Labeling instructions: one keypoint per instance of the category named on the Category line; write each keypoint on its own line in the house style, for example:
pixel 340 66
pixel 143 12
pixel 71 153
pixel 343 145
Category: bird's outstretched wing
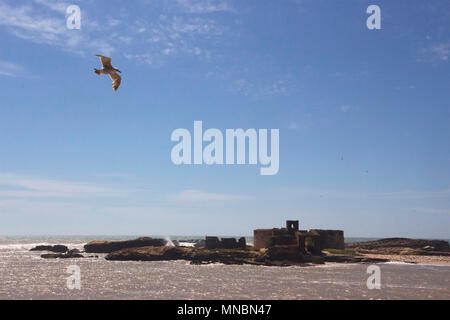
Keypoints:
pixel 116 80
pixel 106 61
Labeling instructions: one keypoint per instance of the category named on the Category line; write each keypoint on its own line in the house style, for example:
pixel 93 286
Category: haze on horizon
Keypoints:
pixel 363 117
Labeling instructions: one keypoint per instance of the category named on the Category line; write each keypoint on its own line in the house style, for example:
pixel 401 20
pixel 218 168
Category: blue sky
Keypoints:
pixel 363 116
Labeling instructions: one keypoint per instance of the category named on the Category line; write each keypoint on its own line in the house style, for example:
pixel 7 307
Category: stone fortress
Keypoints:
pixel 292 240
pixel 288 241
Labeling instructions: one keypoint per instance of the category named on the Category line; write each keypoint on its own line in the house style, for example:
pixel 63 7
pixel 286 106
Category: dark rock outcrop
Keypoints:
pixel 225 256
pixel 71 254
pixel 285 255
pixel 207 256
pixel 402 246
pixel 111 246
pixel 149 254
pixel 283 252
pixel 56 248
pixel 195 255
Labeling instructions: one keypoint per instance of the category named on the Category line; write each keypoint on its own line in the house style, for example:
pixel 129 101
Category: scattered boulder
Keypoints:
pixel 71 254
pixel 56 248
pixel 111 246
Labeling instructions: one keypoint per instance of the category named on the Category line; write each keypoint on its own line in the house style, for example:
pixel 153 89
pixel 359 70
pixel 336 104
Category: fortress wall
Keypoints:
pixel 261 237
pixel 331 239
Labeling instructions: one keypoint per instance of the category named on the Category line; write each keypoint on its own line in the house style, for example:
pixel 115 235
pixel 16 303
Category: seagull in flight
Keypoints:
pixel 109 70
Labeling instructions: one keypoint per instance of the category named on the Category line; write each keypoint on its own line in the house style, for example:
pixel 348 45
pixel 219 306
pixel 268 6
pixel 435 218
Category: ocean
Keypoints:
pixel 24 275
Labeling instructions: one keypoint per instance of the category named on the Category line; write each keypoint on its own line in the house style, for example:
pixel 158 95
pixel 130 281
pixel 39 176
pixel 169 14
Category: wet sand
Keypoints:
pixel 434 260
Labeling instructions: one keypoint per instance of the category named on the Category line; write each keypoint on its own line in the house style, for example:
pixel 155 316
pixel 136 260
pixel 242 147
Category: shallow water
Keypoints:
pixel 24 275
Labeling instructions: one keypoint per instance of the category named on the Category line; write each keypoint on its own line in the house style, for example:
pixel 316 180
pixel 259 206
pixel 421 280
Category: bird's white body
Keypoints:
pixel 103 71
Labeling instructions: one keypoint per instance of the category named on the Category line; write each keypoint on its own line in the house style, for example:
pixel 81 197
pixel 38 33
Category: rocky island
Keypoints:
pixel 271 247
pixel 404 250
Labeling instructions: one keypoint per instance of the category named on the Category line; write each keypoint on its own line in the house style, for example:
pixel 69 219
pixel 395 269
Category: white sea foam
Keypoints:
pixel 186 244
pixel 169 242
pixel 399 263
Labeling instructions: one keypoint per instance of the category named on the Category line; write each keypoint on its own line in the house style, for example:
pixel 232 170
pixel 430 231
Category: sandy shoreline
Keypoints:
pixel 433 260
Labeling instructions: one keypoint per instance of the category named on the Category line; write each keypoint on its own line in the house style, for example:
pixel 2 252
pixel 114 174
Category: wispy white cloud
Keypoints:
pixel 10 69
pixel 55 5
pixel 260 88
pixel 18 186
pixel 185 29
pixel 145 58
pixel 21 19
pixel 112 22
pixel 205 6
pixel 172 37
pixel 34 22
pixel 439 52
pixel 190 195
